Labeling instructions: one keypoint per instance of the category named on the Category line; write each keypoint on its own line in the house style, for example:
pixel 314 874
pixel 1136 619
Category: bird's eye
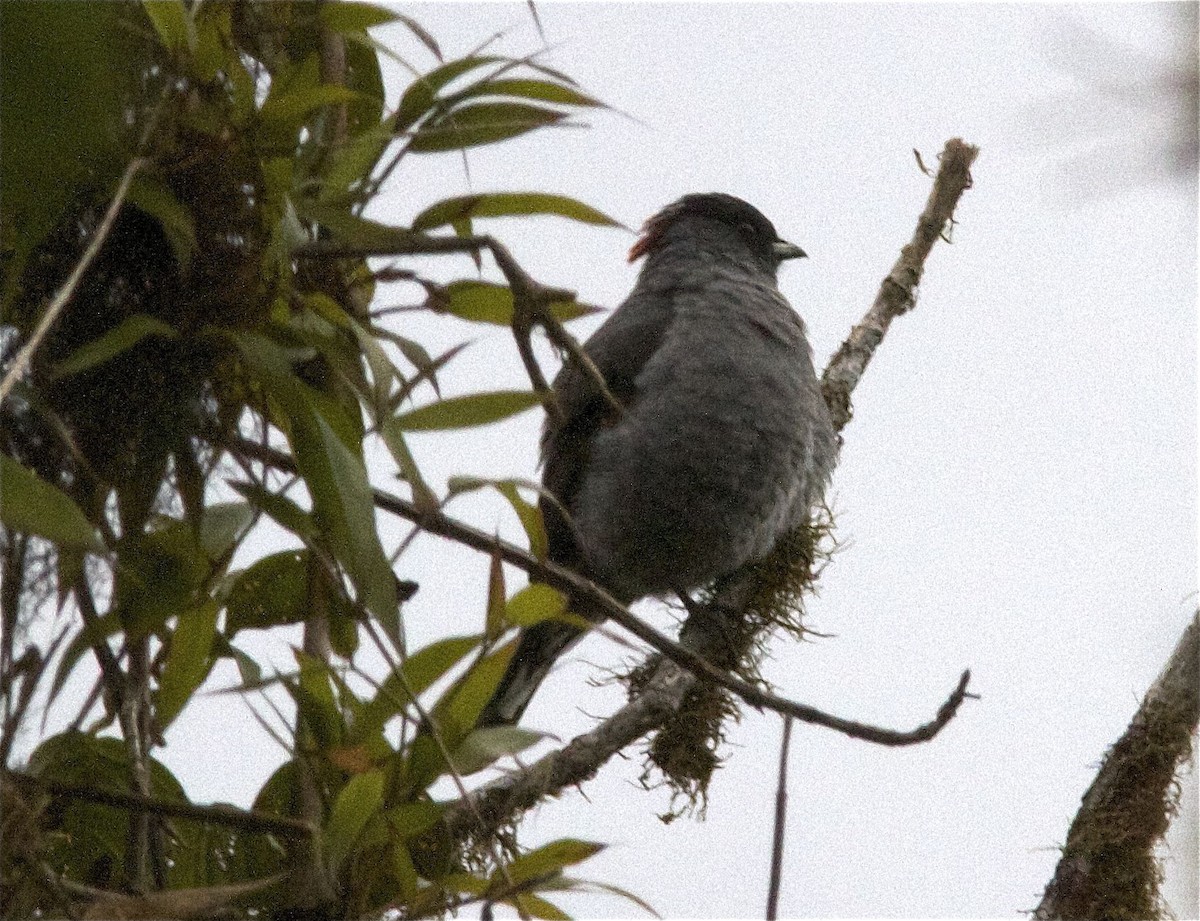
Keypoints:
pixel 748 230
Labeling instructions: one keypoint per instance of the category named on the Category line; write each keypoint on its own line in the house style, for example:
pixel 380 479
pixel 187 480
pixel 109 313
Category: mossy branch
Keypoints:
pixel 1107 868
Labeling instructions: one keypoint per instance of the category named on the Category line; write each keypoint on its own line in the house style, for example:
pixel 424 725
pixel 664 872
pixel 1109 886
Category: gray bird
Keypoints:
pixel 725 442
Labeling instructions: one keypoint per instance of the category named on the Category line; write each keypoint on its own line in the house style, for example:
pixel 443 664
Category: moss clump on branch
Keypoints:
pixel 686 750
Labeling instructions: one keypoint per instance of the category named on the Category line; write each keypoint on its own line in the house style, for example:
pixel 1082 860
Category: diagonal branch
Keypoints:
pixel 1107 868
pixel 897 293
pixel 575 585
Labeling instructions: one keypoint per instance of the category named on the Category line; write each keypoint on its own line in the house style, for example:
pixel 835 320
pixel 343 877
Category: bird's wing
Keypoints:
pixel 620 349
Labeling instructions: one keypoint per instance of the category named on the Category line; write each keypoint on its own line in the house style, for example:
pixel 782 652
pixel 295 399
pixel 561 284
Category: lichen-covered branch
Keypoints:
pixel 1107 868
pixel 897 292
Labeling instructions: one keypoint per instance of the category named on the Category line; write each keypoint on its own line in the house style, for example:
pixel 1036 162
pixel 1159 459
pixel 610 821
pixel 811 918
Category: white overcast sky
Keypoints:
pixel 1017 491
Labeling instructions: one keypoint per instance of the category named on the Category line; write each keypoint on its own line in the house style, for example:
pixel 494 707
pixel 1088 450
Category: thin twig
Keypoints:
pixel 571 583
pixel 780 823
pixel 528 294
pixel 228 816
pixel 64 295
pixel 110 668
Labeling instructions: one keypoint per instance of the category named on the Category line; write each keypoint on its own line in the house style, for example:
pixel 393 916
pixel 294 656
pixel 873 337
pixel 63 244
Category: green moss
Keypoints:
pixel 684 754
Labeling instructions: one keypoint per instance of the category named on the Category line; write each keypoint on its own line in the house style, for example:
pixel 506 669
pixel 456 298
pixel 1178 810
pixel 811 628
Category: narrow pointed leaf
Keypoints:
pixel 528 513
pixel 117 340
pixel 468 411
pixel 30 505
pixel 280 508
pixel 485 747
pixel 358 801
pixel 533 604
pixel 354 16
pixel 419 99
pixel 508 204
pixel 188 662
pixel 530 88
pixel 552 857
pixel 172 22
pixel 494 620
pixel 481 123
pixel 421 670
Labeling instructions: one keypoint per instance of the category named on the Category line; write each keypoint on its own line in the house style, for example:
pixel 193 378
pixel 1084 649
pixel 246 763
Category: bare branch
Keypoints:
pixel 896 293
pixel 604 605
pixel 780 823
pixel 1107 869
pixel 62 297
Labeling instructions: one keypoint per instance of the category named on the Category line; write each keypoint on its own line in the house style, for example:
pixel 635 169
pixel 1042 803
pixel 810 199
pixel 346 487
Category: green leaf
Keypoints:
pixel 467 411
pixel 224 524
pixel 30 505
pixel 419 671
pixel 458 712
pixel 129 333
pixel 158 201
pixel 88 840
pixel 404 872
pixel 344 509
pixel 528 513
pixel 172 22
pixel 272 592
pixel 393 437
pixel 288 110
pixel 355 17
pixel 66 81
pixel 537 907
pixel 506 204
pixel 487 302
pixel 280 508
pixel 481 123
pixel 464 883
pixel 530 88
pixel 533 604
pixel 484 747
pixel 188 661
pixel 551 858
pixel 415 818
pixel 358 801
pixel 478 301
pixel 494 619
pixel 423 36
pixel 343 505
pixel 354 230
pixel 353 162
pixel 419 99
pixel 159 574
pixel 317 705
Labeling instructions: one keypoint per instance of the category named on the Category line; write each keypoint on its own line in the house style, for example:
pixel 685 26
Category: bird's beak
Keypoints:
pixel 785 250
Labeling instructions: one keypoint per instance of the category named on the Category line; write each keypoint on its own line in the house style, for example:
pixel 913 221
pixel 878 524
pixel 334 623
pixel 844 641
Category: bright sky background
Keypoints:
pixel 1017 491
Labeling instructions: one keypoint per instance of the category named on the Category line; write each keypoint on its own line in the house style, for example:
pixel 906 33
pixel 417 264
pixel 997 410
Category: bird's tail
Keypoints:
pixel 538 648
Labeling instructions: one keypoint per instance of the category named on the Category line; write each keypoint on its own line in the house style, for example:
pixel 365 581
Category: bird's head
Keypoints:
pixel 715 222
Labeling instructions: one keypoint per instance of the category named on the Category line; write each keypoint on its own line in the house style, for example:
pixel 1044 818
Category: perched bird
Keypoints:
pixel 724 443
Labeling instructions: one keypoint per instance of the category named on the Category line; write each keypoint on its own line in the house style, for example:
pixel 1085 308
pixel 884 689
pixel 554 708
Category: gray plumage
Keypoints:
pixel 725 443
